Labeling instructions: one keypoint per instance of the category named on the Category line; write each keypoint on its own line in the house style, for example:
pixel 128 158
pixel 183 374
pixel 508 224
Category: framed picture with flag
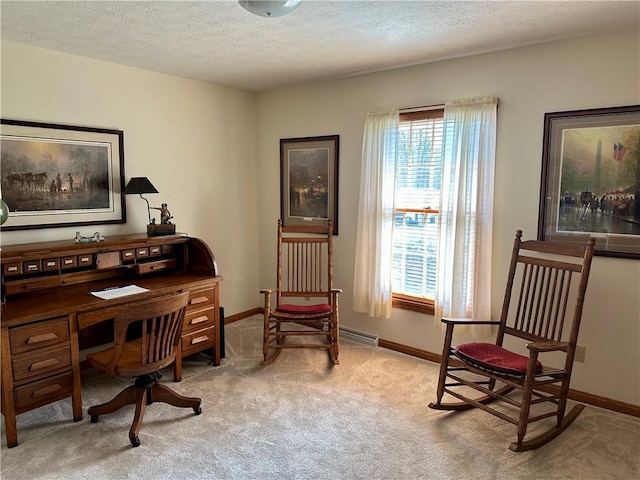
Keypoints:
pixel 590 183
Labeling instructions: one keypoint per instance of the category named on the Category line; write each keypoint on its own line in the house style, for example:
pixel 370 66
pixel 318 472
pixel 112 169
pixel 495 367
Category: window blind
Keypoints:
pixel 417 198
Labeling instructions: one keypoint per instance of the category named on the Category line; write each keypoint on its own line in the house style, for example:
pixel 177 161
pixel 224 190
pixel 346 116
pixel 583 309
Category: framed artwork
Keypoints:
pixel 309 180
pixel 61 175
pixel 591 179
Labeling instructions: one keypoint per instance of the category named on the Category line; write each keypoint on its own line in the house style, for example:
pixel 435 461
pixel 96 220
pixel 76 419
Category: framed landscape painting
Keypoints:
pixel 309 181
pixel 591 179
pixel 61 175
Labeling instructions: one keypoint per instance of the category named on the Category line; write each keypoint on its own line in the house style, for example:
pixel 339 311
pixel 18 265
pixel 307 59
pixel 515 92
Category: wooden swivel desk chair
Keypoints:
pixel 541 306
pixel 304 272
pixel 161 322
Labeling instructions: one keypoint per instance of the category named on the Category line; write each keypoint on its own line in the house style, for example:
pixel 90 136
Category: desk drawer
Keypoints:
pixel 31 284
pixel 31 266
pixel 38 335
pixel 155 266
pixel 85 260
pixel 128 254
pixel 200 298
pixel 198 340
pixel 50 264
pixel 70 261
pixel 39 365
pixel 198 319
pixel 13 268
pixel 44 391
pixel 88 319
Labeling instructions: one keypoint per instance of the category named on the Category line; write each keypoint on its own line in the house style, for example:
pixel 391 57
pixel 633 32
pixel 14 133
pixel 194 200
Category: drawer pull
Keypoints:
pixel 45 337
pixel 32 267
pixel 200 319
pixel 158 267
pixel 200 339
pixel 51 264
pixel 197 300
pixel 12 269
pixel 34 286
pixel 46 390
pixel 68 262
pixel 44 364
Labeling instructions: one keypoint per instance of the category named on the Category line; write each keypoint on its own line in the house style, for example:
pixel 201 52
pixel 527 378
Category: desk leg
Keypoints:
pixel 8 400
pixel 11 429
pixel 76 399
pixel 218 349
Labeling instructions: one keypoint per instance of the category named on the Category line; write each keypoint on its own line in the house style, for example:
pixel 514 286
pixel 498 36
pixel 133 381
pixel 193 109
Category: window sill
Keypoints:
pixel 414 304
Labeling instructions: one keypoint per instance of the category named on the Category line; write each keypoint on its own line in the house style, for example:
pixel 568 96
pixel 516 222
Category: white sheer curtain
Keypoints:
pixel 372 273
pixel 466 212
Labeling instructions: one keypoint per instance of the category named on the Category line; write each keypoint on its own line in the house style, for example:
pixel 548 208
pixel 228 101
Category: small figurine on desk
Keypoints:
pixel 97 237
pixel 165 214
pixel 165 227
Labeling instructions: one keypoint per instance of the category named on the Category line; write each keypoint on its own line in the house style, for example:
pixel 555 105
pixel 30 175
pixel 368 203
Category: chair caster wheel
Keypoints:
pixel 197 410
pixel 135 441
pixel 94 418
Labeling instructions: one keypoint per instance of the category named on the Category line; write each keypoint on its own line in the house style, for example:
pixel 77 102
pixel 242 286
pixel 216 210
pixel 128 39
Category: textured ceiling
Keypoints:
pixel 220 42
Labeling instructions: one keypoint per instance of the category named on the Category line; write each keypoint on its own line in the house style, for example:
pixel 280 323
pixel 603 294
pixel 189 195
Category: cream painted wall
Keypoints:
pixel 591 72
pixel 195 141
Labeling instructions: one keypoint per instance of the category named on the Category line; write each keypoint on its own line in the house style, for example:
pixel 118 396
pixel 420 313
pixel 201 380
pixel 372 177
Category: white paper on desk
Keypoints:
pixel 118 292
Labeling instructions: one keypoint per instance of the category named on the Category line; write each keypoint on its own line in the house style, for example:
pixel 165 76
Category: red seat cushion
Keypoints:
pixel 319 308
pixel 493 357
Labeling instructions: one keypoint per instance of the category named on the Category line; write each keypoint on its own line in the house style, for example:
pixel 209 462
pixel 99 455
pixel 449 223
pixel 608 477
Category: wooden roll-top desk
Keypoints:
pixel 49 315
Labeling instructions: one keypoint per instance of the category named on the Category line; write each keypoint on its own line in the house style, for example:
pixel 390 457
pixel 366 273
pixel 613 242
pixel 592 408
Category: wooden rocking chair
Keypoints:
pixel 538 296
pixel 305 282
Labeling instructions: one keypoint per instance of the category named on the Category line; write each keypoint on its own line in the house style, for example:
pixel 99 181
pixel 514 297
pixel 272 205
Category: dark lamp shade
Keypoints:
pixel 139 185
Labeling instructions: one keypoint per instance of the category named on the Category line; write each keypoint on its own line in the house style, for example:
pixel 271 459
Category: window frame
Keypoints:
pixel 401 300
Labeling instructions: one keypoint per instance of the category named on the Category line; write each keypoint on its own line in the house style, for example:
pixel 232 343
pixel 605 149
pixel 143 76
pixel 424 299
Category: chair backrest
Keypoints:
pixel 305 261
pixel 160 321
pixel 545 281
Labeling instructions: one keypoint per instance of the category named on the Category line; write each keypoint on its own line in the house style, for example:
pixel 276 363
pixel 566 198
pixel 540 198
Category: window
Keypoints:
pixel 398 261
pixel 416 202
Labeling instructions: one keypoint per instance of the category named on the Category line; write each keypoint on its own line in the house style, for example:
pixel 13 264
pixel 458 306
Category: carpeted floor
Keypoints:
pixel 302 419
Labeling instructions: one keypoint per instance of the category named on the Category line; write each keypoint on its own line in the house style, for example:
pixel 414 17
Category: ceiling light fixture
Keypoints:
pixel 270 9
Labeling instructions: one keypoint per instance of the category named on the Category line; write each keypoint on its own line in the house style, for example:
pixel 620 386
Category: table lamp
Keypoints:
pixel 139 186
